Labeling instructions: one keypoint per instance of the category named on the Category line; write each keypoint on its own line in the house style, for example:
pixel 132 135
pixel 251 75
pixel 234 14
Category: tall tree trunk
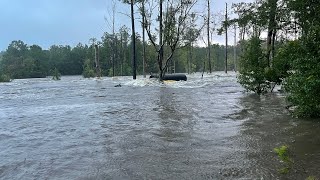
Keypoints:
pixel 121 59
pixel 134 63
pixel 174 66
pixel 226 28
pixel 274 34
pixel 143 40
pixel 160 58
pixel 235 48
pixel 113 39
pixel 272 4
pixel 208 36
pixel 189 59
pixel 98 70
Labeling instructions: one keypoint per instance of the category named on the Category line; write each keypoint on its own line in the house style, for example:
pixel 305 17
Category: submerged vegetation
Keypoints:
pixel 56 74
pixel 283 155
pixel 4 78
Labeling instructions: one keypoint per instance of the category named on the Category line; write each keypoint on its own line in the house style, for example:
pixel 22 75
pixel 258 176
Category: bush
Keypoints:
pixel 285 57
pixel 88 70
pixel 4 78
pixel 253 66
pixel 56 74
pixel 304 83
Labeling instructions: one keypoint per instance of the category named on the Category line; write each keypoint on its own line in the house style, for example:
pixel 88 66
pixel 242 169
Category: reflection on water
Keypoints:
pixel 200 129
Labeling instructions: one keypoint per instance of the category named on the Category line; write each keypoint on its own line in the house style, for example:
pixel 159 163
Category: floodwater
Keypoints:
pixel 206 128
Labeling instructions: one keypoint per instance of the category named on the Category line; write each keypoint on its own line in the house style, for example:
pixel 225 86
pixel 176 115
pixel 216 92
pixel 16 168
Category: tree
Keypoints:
pixel 208 36
pixel 95 45
pixel 226 31
pixel 77 57
pixel 172 17
pixel 260 16
pixel 39 58
pixel 88 69
pixel 303 84
pixel 124 62
pixel 253 65
pixel 134 66
pixel 13 59
pixel 190 35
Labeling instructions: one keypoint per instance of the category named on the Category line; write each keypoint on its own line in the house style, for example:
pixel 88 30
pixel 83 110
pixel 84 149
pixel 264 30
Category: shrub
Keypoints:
pixel 88 70
pixel 56 74
pixel 303 84
pixel 4 78
pixel 253 64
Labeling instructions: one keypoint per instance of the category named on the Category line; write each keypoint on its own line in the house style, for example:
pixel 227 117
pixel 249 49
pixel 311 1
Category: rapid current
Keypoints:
pixel 206 128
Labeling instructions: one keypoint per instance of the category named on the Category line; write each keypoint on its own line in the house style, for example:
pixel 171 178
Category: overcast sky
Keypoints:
pixel 64 22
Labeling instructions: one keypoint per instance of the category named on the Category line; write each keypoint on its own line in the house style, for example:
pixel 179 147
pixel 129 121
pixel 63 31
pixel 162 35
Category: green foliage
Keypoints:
pixel 311 178
pixel 271 74
pixel 56 75
pixel 4 78
pixel 304 83
pixel 283 154
pixel 23 61
pixel 282 64
pixel 88 71
pixel 253 66
pixel 284 170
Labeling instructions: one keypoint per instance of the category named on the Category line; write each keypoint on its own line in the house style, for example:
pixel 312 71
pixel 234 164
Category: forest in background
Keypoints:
pixel 31 61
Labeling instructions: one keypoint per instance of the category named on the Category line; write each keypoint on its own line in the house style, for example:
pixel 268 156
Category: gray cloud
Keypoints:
pixel 49 22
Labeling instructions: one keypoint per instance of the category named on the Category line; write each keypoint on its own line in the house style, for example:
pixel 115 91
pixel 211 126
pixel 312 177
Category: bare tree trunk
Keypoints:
pixel 226 27
pixel 96 60
pixel 160 58
pixel 143 40
pixel 189 59
pixel 122 49
pixel 208 36
pixel 134 64
pixel 113 38
pixel 271 27
pixel 203 68
pixel 174 66
pixel 274 34
pixel 98 69
pixel 235 48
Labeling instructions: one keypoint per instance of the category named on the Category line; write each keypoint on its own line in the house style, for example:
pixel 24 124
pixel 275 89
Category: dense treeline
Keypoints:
pixel 23 61
pixel 290 53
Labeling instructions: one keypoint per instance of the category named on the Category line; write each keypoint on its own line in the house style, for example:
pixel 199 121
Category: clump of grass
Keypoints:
pixel 283 154
pixel 284 170
pixel 311 178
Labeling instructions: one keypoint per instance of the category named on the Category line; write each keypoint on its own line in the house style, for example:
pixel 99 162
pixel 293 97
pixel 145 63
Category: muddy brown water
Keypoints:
pixel 200 129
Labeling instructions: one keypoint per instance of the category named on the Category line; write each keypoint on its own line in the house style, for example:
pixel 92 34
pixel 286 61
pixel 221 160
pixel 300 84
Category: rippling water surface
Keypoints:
pixel 199 129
